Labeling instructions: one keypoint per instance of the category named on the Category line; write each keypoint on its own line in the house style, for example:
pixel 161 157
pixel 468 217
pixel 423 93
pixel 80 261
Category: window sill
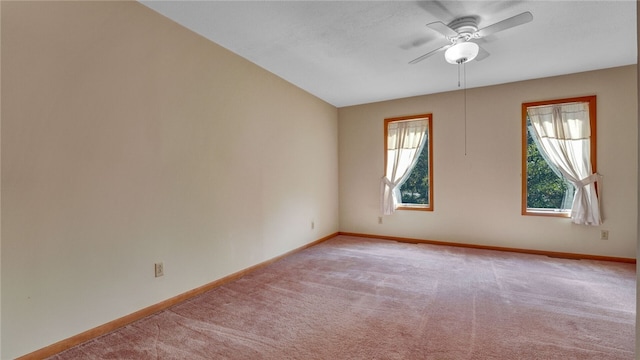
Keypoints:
pixel 414 207
pixel 547 212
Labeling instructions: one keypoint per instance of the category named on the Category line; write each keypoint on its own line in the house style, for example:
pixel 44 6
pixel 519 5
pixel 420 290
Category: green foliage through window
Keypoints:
pixel 545 189
pixel 415 190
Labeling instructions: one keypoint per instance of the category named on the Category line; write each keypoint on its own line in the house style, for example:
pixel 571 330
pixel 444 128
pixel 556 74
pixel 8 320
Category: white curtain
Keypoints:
pixel 564 132
pixel 405 140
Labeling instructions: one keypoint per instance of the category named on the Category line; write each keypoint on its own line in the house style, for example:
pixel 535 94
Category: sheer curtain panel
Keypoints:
pixel 405 140
pixel 564 131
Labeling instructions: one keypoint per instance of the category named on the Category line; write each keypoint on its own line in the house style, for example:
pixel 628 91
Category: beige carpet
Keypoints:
pixel 352 298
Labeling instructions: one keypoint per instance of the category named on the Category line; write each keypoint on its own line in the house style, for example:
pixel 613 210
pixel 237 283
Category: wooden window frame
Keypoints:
pixel 592 123
pixel 429 117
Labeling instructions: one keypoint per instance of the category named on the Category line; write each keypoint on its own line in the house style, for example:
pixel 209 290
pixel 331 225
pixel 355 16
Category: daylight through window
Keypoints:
pixel 408 180
pixel 558 140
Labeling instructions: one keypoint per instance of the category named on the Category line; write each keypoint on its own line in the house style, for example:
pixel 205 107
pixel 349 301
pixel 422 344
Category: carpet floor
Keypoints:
pixel 355 298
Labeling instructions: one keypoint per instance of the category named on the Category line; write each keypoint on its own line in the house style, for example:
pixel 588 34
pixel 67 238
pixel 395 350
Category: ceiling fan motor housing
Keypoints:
pixel 465 27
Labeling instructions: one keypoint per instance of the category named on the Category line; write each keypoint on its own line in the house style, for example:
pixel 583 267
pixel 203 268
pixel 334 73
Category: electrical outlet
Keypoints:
pixel 313 224
pixel 379 219
pixel 159 267
pixel 604 234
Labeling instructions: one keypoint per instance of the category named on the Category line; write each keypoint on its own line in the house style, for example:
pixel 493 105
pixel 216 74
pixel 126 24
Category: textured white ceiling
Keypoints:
pixel 355 52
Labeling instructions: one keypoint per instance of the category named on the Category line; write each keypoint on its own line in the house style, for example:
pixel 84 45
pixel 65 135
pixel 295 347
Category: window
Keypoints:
pixel 558 157
pixel 408 158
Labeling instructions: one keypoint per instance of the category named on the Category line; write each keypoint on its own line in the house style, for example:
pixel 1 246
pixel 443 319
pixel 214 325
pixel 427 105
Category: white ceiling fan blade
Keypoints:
pixel 442 29
pixel 418 59
pixel 482 54
pixel 513 21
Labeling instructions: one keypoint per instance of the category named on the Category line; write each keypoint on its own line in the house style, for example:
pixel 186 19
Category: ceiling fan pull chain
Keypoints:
pixel 465 107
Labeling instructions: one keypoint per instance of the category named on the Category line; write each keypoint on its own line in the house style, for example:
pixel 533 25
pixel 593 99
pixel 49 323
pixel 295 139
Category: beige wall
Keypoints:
pixel 128 140
pixel 638 195
pixel 477 195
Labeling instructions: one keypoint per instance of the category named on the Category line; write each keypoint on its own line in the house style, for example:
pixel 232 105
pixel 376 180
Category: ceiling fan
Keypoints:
pixel 461 33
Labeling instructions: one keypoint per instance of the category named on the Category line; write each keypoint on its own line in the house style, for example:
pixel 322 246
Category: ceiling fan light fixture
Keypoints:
pixel 461 52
